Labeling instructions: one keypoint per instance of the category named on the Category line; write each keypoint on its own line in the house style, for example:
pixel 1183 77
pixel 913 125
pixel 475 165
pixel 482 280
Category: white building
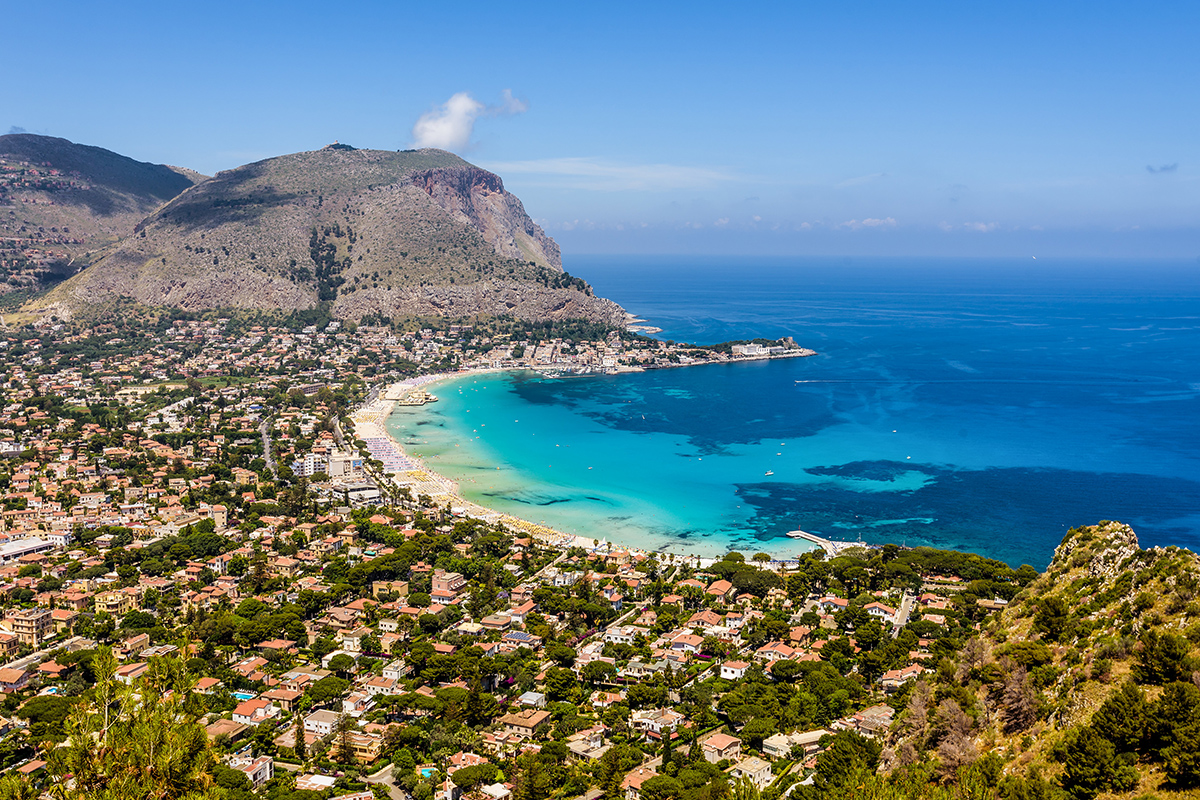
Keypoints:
pixel 321 722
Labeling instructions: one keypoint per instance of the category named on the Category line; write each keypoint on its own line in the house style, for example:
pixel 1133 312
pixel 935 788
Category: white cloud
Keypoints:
pixel 509 105
pixel 604 176
pixel 980 227
pixel 869 222
pixel 449 127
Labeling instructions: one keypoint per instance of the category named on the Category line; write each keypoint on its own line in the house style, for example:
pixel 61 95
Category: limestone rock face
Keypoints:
pixel 476 197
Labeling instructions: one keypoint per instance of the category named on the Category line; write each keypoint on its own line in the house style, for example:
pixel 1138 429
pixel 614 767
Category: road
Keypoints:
pixel 36 657
pixel 385 778
pixel 902 613
pixel 268 453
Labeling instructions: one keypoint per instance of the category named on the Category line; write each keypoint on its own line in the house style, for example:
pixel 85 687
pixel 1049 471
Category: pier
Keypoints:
pixel 831 547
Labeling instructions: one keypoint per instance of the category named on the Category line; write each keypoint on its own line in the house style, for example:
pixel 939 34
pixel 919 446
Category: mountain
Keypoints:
pixel 369 232
pixel 60 202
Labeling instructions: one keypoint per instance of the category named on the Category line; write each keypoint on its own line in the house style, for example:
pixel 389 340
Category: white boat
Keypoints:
pixel 769 472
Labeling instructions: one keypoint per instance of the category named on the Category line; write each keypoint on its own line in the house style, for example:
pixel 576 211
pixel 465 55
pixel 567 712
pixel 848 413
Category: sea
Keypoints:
pixel 978 405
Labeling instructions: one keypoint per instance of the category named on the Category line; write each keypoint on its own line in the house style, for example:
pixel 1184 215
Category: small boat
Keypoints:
pixel 769 472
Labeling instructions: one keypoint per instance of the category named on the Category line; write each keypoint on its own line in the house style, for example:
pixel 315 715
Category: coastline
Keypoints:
pixel 408 471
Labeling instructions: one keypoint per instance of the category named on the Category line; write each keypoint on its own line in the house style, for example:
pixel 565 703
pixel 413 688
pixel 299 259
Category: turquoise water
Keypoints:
pixel 985 406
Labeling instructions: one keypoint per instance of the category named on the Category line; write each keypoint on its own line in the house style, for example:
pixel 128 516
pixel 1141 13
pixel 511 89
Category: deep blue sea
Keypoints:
pixel 983 405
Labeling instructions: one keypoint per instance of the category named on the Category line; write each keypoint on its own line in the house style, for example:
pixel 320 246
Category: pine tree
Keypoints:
pixel 345 747
pixel 299 747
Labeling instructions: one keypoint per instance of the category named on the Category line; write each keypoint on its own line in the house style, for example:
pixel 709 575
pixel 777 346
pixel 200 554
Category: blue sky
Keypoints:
pixel 787 128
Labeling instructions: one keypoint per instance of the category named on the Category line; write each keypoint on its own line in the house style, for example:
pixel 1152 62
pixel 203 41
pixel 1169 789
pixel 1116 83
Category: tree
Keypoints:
pixel 848 759
pixel 342 663
pixel 1052 617
pixel 1019 700
pixel 661 787
pixel 532 781
pixel 299 747
pixel 1123 718
pixel 1091 766
pixel 758 729
pixel 328 688
pixel 342 737
pixel 1181 759
pixel 955 749
pixel 560 683
pixel 471 778
pixel 143 751
pixel 595 672
pixel 1162 658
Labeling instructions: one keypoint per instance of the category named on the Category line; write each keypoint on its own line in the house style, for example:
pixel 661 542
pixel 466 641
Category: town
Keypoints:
pixel 188 512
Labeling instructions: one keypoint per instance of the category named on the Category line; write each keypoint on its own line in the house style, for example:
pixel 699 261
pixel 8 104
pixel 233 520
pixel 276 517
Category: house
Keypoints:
pixel 32 626
pixel 687 643
pixel 587 745
pixel 321 723
pixel 366 746
pixel 445 585
pixel 832 605
pixel 621 634
pixel 259 770
pixel 356 703
pixel 133 646
pixel 129 673
pixel 207 685
pixel 880 612
pixel 522 639
pixel 721 746
pixel 734 670
pixel 381 685
pixel 720 589
pixel 13 680
pixel 532 700
pixel 893 679
pixel 396 669
pixel 780 745
pixel 525 723
pixel 497 622
pixel 873 721
pixel 632 785
pixel 774 651
pixel 352 641
pixel 288 699
pixel 657 723
pixel 603 699
pixel 522 611
pixel 252 712
pixel 755 769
